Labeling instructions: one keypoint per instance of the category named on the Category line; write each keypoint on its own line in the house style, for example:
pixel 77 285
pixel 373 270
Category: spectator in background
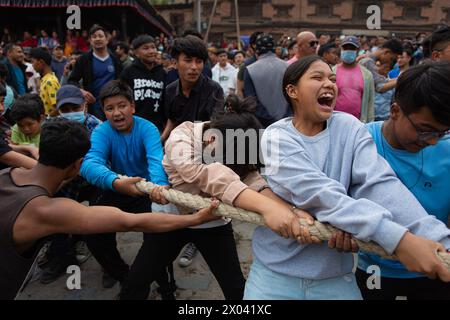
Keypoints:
pixel 9 157
pixel 10 95
pixel 42 60
pixel 29 40
pixel 148 80
pixel 385 54
pixel 71 44
pixel 193 97
pixel 306 45
pixel 224 73
pixel 404 61
pixel 383 100
pixel 329 52
pixel 212 57
pixel 2 57
pixel 83 41
pixel 247 62
pixel 16 78
pixel 159 57
pixel 45 40
pixel 292 49
pixel 279 52
pixel 122 51
pixel 355 83
pixel 55 41
pixel 33 78
pixel 59 61
pixel 7 37
pixel 96 68
pixel 239 58
pixel 28 114
pixel 324 39
pixel 440 44
pixel 263 79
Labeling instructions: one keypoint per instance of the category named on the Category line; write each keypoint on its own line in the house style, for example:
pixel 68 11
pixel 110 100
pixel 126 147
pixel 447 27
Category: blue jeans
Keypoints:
pixel 264 284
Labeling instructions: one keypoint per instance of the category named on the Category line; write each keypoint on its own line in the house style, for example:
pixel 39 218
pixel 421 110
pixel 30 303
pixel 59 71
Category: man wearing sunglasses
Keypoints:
pixel 306 45
pixel 415 142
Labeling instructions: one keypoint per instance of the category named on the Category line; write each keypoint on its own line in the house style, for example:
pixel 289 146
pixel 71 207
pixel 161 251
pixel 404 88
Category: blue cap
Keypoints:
pixel 350 40
pixel 69 94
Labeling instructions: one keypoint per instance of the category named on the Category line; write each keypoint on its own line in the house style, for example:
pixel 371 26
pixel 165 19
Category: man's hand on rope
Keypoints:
pixel 127 185
pixel 206 214
pixel 157 195
pixel 419 255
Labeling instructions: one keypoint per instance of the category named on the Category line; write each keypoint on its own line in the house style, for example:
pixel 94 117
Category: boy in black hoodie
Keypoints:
pixel 148 81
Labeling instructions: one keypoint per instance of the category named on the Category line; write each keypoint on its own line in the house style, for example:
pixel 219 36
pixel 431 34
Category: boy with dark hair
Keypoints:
pixel 329 52
pixel 415 142
pixel 58 61
pixel 10 155
pixel 124 145
pixel 28 114
pixel 193 97
pixel 96 68
pixel 29 210
pixel 122 49
pixel 41 60
pixel 224 73
pixel 440 44
pixel 147 79
pixel 387 53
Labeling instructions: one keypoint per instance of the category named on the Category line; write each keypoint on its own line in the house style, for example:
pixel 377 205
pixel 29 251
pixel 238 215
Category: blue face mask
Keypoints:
pixel 348 56
pixel 79 116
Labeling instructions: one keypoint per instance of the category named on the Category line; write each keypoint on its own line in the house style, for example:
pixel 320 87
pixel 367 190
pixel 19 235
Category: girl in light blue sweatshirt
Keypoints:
pixel 326 163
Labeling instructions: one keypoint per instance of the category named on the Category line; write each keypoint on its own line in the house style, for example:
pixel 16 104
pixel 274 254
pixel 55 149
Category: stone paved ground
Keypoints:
pixel 195 282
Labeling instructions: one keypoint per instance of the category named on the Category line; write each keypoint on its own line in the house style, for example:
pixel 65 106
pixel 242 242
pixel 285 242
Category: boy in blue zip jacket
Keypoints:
pixel 415 142
pixel 123 145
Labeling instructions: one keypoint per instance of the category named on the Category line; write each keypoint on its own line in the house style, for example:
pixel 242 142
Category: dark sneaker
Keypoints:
pixel 56 268
pixel 188 255
pixel 108 281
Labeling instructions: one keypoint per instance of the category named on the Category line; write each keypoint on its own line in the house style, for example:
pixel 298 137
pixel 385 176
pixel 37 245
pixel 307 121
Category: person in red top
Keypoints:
pixel 29 40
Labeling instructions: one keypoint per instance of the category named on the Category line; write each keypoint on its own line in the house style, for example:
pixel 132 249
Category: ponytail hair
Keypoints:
pixel 238 114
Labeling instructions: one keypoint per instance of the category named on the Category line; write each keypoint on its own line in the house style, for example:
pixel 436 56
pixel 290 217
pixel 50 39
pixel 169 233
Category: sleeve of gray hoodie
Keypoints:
pixel 301 182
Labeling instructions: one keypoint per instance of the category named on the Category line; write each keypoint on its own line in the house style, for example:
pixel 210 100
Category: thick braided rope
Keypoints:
pixel 320 230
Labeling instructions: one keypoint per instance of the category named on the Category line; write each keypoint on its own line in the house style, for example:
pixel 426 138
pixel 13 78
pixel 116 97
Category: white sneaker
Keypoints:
pixel 82 252
pixel 188 255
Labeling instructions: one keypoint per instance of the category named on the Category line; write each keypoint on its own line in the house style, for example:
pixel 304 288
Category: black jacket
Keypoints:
pixel 149 89
pixel 83 70
pixel 12 79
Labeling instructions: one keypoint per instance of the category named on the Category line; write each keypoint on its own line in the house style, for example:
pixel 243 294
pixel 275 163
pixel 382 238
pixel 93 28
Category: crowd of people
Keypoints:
pixel 361 127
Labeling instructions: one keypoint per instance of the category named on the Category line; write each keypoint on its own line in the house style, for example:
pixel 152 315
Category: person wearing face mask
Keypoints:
pixel 64 249
pixel 71 105
pixel 355 83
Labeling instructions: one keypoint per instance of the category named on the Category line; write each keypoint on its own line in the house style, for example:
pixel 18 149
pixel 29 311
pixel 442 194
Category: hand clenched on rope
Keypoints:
pixel 127 185
pixel 340 240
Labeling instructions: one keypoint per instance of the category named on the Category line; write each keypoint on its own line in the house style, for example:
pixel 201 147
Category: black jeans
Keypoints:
pixel 104 246
pixel 413 289
pixel 217 246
